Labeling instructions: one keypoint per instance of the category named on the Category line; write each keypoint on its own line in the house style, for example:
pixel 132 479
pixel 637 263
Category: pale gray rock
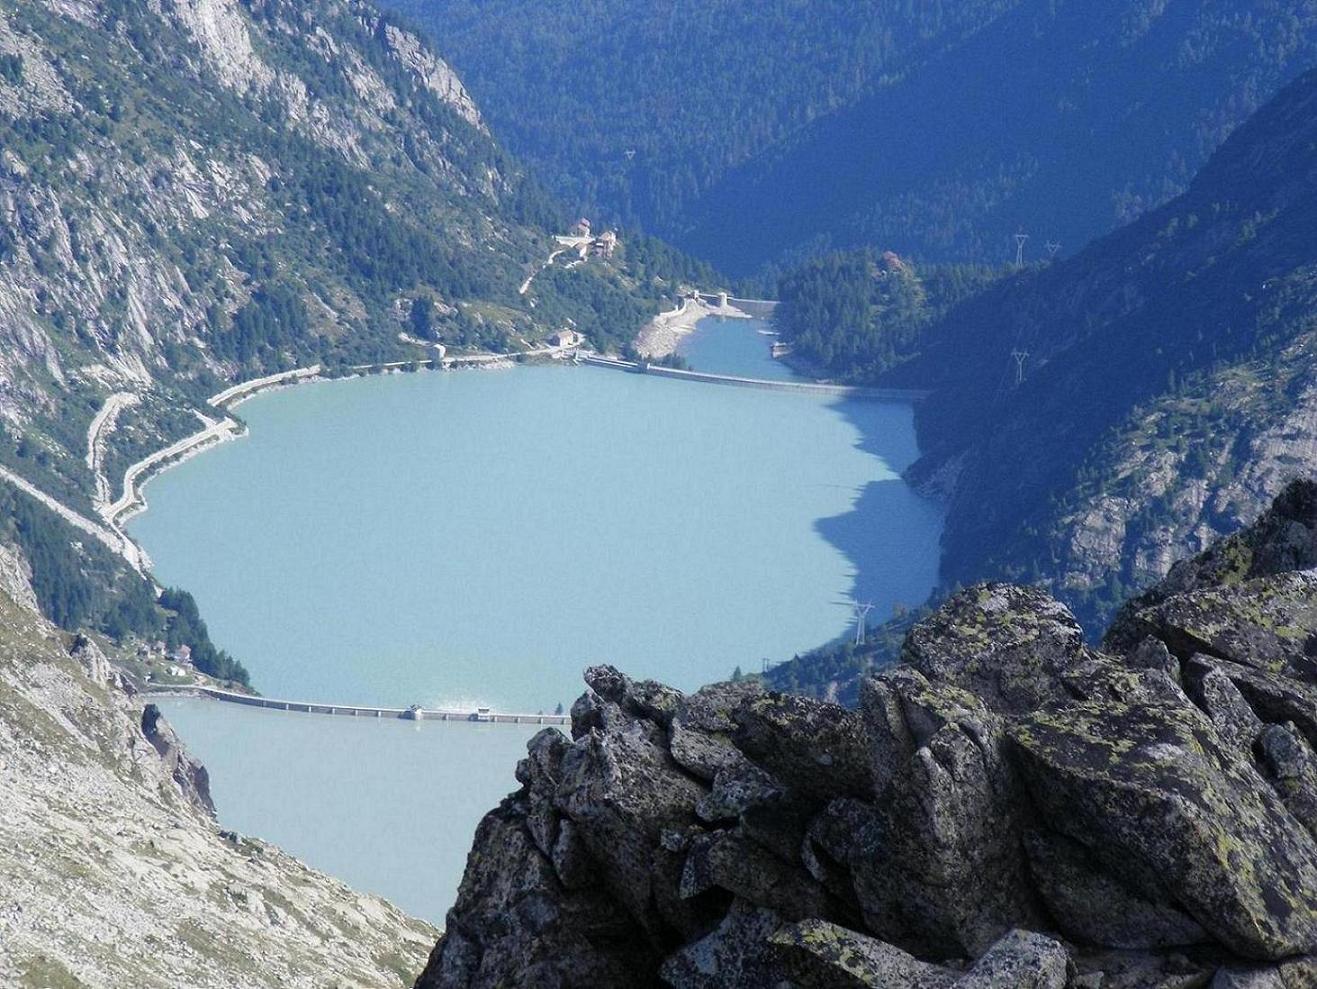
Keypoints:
pixel 702 726
pixel 622 790
pixel 1275 698
pixel 1253 977
pixel 1152 654
pixel 735 791
pixel 1291 765
pixel 93 660
pixel 1217 695
pixel 637 698
pixel 819 955
pixel 731 862
pixel 1093 906
pixel 1152 785
pixel 16 578
pixel 951 809
pixel 1264 623
pixel 736 955
pixel 1009 646
pixel 514 924
pixel 191 776
pixel 815 749
pixel 1022 960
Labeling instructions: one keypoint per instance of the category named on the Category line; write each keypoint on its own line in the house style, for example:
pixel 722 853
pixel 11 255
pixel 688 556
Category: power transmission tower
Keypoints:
pixel 1052 248
pixel 1020 357
pixel 1019 249
pixel 862 609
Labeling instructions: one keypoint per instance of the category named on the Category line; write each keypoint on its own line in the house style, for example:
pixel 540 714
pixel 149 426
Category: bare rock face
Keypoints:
pixel 1265 623
pixel 1022 959
pixel 818 954
pixel 1283 539
pixel 946 809
pixel 1093 906
pixel 1008 807
pixel 515 924
pixel 16 578
pixel 190 775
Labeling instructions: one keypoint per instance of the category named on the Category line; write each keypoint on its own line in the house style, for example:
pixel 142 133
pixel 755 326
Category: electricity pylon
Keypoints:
pixel 1020 357
pixel 1019 249
pixel 862 609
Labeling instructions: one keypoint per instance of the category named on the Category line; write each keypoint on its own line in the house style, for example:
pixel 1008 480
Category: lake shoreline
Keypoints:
pixel 662 335
pixel 132 498
pixel 659 338
pixel 778 444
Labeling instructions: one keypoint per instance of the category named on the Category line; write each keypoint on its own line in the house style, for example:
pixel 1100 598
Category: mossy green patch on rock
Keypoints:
pixel 48 973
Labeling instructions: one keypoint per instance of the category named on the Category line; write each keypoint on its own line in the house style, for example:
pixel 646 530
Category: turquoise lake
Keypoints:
pixel 479 537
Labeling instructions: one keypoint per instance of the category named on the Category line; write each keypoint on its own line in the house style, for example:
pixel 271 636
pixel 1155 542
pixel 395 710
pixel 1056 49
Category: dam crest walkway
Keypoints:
pixel 479 715
pixel 766 384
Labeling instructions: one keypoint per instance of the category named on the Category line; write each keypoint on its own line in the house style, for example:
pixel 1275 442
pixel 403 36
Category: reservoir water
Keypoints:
pixel 464 538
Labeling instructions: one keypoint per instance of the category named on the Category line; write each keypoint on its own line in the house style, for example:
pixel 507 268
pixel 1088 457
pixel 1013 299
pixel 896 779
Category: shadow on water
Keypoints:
pixel 891 534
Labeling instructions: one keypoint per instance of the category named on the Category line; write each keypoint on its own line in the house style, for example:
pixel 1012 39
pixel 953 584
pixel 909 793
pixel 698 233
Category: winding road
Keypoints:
pixel 98 436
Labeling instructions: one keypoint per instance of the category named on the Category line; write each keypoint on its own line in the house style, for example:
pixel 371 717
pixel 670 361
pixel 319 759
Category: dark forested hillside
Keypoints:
pixel 1096 418
pixel 856 314
pixel 638 109
pixel 1060 120
pixel 746 131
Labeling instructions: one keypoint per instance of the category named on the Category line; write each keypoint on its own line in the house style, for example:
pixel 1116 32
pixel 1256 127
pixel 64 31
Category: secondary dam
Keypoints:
pixel 414 713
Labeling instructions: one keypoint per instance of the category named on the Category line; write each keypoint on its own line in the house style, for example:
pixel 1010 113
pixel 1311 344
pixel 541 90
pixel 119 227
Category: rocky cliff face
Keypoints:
pixel 112 872
pixel 1008 807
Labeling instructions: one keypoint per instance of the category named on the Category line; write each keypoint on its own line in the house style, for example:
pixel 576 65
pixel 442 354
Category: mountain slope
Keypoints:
pixel 114 875
pixel 762 130
pixel 636 109
pixel 1058 119
pixel 1169 387
pixel 197 192
pixel 204 190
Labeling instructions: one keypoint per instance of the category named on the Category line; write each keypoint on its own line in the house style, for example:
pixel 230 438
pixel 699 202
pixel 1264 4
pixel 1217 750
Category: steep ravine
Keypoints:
pixel 1008 807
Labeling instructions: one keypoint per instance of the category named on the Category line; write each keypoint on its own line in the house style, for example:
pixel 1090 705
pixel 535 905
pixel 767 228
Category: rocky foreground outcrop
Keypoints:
pixel 1008 807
